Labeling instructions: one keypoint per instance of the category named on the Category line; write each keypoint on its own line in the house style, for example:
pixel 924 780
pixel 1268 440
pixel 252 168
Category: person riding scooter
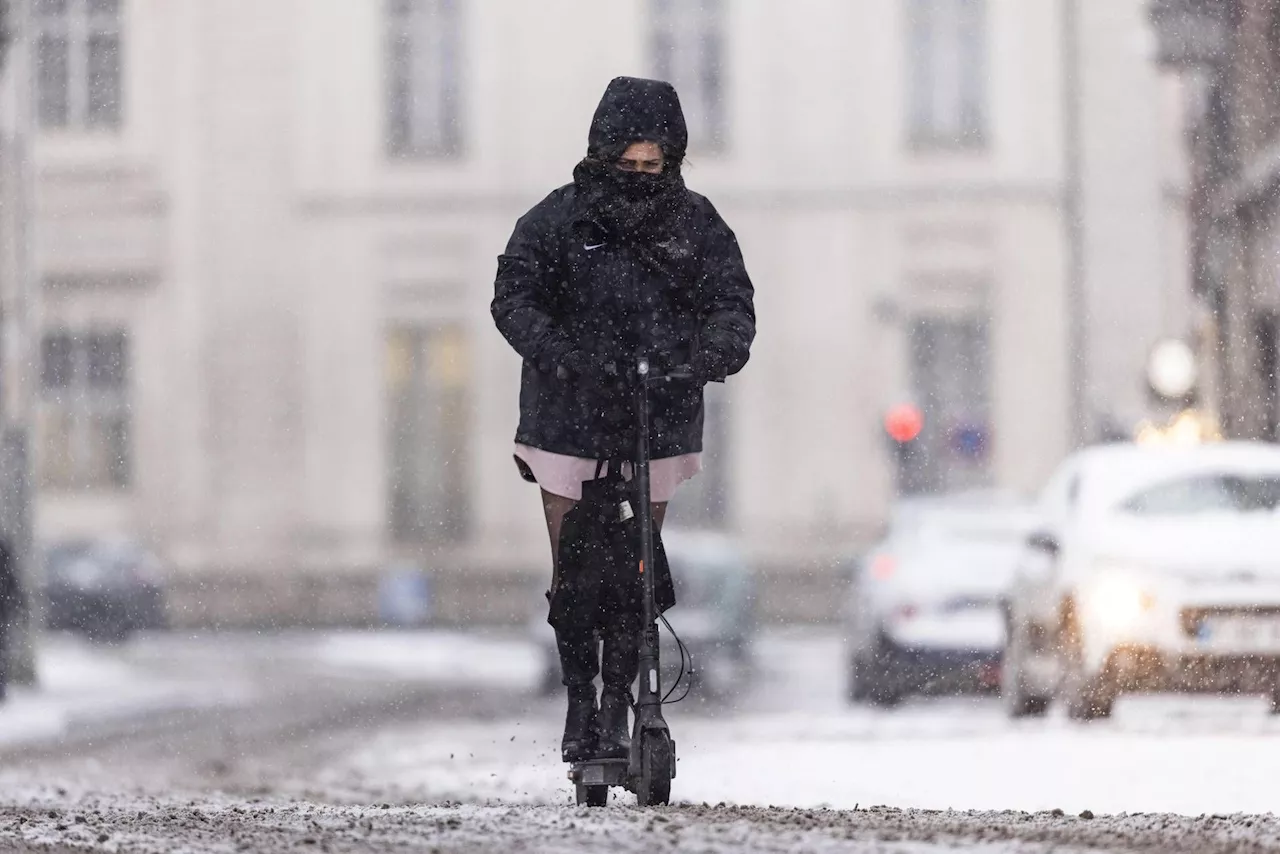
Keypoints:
pixel 625 260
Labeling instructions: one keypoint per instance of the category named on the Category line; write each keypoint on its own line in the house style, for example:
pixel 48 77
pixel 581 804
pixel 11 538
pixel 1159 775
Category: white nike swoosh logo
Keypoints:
pixel 590 247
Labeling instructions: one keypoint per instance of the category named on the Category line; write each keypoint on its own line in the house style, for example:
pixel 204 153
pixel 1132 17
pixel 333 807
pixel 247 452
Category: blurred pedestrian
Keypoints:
pixel 623 261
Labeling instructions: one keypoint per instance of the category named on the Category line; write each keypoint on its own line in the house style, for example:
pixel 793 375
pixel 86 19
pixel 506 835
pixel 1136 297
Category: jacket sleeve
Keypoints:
pixel 521 305
pixel 726 311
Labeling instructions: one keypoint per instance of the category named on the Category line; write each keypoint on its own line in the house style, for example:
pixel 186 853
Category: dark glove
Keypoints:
pixel 709 366
pixel 577 364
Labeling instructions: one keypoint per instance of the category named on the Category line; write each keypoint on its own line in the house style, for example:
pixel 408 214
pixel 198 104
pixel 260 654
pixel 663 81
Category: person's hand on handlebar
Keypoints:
pixel 578 364
pixel 679 373
pixel 709 366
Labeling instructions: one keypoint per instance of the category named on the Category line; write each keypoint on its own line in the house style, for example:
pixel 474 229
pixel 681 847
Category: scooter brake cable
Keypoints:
pixel 684 655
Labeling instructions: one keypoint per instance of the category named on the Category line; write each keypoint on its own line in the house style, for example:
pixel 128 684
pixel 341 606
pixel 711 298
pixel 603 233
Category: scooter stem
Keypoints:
pixel 649 697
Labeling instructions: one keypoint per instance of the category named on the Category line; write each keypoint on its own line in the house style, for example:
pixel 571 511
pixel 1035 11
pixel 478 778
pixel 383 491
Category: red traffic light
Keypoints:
pixel 903 422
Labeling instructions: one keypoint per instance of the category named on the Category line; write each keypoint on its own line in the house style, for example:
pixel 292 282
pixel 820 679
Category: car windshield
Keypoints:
pixel 1207 493
pixel 960 558
pixel 77 562
pixel 59 557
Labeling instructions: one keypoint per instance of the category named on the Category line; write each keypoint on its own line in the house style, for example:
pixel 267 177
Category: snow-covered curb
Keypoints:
pixel 83 685
pixel 505 660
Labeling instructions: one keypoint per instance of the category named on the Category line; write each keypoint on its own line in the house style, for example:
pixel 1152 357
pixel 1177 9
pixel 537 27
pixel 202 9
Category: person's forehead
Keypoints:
pixel 642 148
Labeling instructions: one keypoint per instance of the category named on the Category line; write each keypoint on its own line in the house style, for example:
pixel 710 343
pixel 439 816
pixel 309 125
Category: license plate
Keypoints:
pixel 1240 633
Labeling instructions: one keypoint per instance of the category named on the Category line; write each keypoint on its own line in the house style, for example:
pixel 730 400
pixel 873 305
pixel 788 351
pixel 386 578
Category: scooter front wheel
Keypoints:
pixel 592 796
pixel 655 770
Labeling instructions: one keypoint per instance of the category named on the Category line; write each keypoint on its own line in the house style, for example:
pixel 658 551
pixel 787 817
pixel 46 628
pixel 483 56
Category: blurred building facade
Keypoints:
pixel 266 239
pixel 1228 53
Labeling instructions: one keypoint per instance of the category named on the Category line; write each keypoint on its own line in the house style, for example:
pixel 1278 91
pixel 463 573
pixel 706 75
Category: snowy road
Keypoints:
pixel 793 741
pixel 384 743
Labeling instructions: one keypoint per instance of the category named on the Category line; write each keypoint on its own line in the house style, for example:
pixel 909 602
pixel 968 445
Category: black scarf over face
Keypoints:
pixel 639 209
pixel 636 208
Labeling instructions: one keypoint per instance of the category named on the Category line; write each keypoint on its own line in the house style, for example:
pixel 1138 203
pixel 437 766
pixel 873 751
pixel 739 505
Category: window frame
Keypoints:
pixel 78 26
pixel 406 25
pixel 937 344
pixel 942 33
pixel 85 406
pixel 678 38
pixel 427 394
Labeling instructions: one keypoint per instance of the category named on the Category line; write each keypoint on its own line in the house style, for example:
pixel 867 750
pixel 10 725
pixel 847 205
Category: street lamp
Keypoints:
pixel 1196 37
pixel 1172 370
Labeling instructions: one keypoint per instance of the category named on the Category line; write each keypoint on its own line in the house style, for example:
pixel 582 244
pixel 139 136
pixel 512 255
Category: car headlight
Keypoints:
pixel 1116 601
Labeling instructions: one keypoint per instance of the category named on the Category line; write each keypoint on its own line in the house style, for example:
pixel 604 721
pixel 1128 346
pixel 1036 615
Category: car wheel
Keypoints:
pixel 1018 703
pixel 870 683
pixel 1091 703
pixel 885 697
pixel 1086 697
pixel 857 687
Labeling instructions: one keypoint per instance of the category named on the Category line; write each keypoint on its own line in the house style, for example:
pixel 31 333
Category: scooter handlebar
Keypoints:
pixel 648 375
pixel 675 374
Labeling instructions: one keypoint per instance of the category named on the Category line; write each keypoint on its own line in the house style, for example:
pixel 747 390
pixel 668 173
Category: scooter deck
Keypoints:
pixel 599 772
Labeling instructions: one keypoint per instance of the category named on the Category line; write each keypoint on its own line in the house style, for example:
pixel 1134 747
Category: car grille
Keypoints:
pixel 1191 618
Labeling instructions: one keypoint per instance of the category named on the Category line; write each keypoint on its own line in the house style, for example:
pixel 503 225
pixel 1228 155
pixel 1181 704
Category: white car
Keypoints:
pixel 1154 568
pixel 924 612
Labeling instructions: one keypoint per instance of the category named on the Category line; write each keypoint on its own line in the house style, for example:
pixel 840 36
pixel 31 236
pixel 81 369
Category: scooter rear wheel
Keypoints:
pixel 592 796
pixel 655 770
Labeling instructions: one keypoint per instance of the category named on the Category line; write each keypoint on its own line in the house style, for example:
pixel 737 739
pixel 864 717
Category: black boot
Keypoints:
pixel 619 665
pixel 579 664
pixel 614 727
pixel 580 739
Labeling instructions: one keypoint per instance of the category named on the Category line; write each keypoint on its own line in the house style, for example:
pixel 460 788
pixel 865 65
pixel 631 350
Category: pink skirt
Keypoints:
pixel 563 475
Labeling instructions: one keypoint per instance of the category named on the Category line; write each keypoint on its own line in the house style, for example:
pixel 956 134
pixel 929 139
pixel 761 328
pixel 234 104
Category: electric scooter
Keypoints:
pixel 651 766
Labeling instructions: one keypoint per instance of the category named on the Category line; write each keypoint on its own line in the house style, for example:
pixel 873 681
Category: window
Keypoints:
pixel 422 78
pixel 687 42
pixel 427 433
pixel 947 73
pixel 950 378
pixel 77 56
pixel 84 416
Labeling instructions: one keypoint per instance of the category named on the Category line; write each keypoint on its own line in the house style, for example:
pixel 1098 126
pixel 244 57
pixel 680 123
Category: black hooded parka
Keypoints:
pixel 614 266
